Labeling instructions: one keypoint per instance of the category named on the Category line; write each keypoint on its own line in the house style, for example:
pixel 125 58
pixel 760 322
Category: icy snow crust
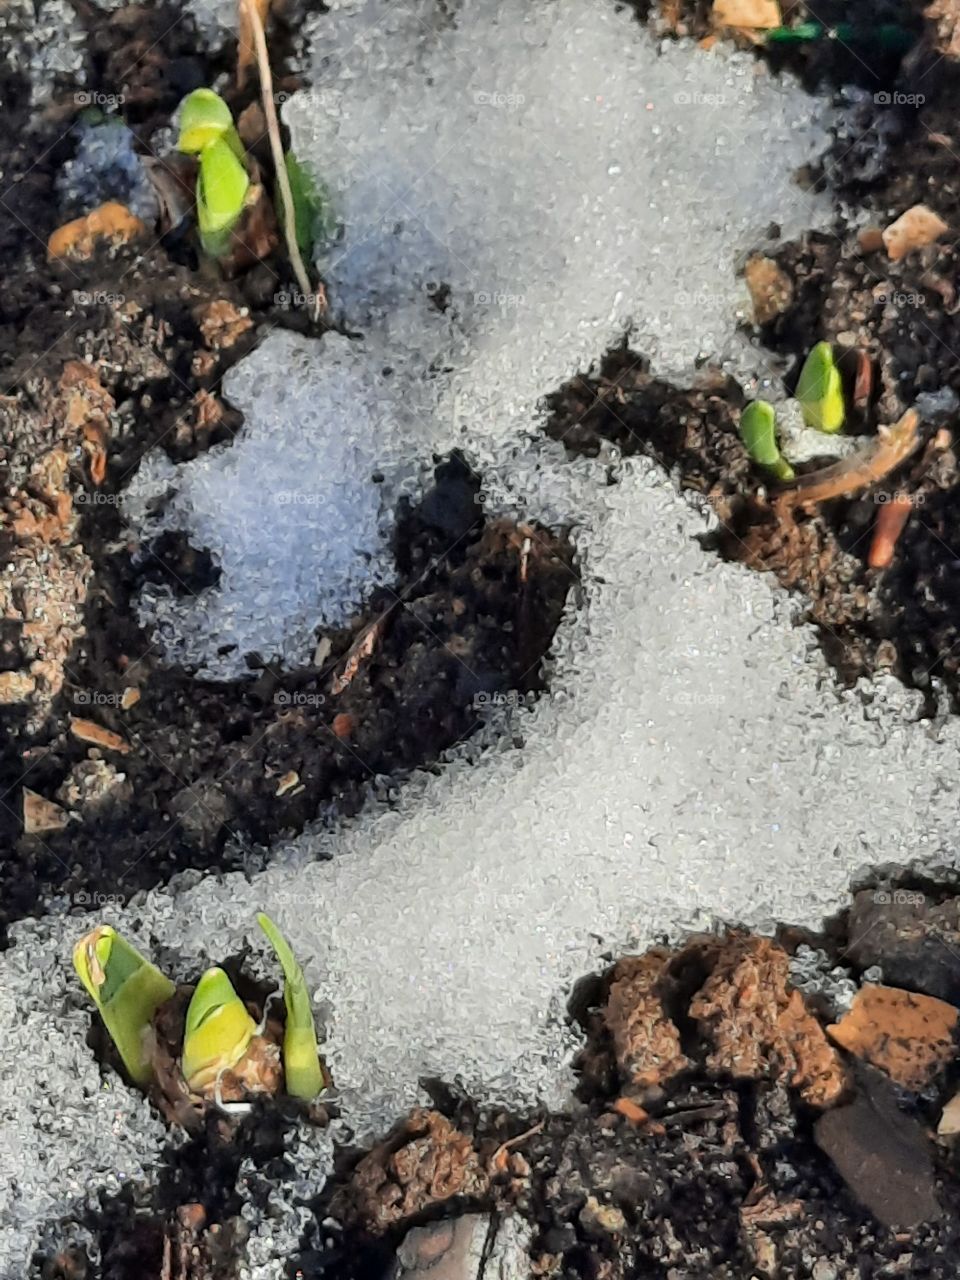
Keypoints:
pixel 291 505
pixel 515 186
pixel 694 760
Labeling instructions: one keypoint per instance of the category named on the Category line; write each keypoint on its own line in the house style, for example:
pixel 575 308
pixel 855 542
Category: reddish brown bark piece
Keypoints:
pixel 97 736
pixel 41 815
pixel 909 1037
pixel 891 520
pixel 759 1028
pixel 646 1042
pixel 424 1163
pixel 111 223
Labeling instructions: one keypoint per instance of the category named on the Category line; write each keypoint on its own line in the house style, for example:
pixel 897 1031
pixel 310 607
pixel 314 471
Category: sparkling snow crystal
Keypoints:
pixel 291 507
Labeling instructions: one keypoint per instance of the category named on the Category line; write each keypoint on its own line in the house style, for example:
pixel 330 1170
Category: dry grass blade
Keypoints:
pixel 363 648
pixel 246 40
pixel 250 12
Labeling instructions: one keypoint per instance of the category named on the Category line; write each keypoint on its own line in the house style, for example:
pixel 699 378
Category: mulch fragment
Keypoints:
pixel 757 1027
pixel 424 1162
pixel 912 1038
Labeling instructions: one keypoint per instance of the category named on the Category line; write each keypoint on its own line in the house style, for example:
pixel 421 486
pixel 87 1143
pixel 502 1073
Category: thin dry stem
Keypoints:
pixel 859 471
pixel 276 146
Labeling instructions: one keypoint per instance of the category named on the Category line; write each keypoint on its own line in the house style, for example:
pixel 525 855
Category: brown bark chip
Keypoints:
pixel 909 1037
pixel 424 1163
pixel 946 14
pixel 646 1042
pixel 917 227
pixel 111 222
pixel 759 1028
pixel 882 1154
pixel 222 323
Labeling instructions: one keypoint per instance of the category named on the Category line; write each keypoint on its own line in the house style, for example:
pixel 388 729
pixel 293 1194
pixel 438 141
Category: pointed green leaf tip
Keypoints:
pixel 301 1058
pixel 306 202
pixel 217 1033
pixel 819 391
pixel 127 990
pixel 759 436
pixel 222 185
pixel 204 118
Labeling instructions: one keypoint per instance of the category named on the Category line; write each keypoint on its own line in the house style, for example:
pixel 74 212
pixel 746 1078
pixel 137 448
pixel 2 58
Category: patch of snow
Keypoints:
pixel 291 507
pixel 46 40
pixel 106 166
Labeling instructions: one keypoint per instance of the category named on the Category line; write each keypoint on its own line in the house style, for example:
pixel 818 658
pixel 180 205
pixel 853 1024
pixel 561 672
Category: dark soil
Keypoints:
pixel 876 36
pixel 126 352
pixel 187 1224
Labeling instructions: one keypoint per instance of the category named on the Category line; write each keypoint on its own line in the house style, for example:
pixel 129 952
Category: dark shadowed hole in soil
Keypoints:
pixel 724 1177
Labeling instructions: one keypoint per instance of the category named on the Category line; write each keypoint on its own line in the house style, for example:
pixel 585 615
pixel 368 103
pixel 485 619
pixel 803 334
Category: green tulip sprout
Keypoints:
pixel 306 202
pixel 819 390
pixel 301 1059
pixel 205 117
pixel 758 433
pixel 218 1031
pixel 127 990
pixel 207 130
pixel 222 186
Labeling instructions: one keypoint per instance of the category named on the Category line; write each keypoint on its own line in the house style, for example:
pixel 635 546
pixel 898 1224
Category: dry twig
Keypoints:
pixel 892 446
pixel 891 519
pixel 249 9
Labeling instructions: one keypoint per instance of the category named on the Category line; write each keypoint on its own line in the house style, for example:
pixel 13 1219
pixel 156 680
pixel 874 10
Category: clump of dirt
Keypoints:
pixel 424 1163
